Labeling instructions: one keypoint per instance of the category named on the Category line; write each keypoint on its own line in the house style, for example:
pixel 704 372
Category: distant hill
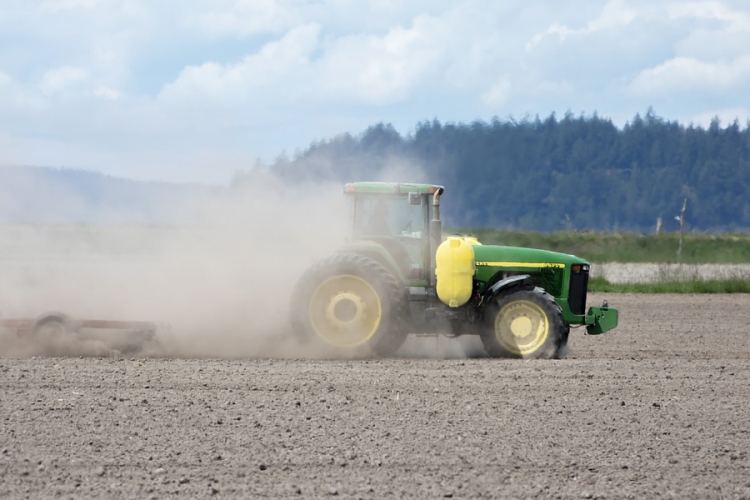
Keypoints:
pixel 40 195
pixel 574 173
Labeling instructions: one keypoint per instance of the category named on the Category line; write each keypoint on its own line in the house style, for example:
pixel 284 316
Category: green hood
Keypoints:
pixel 502 256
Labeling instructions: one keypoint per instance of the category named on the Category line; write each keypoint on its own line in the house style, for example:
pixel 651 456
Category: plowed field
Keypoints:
pixel 659 407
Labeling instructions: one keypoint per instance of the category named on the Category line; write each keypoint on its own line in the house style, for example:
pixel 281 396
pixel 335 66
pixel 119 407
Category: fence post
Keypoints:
pixel 681 218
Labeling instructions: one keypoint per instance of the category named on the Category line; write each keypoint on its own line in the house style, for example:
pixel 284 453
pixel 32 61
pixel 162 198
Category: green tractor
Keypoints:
pixel 396 275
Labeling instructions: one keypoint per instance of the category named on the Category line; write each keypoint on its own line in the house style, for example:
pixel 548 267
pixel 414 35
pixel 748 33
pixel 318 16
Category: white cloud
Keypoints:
pixel 304 65
pixel 726 116
pixel 685 74
pixel 253 77
pixel 107 93
pixel 15 96
pixel 546 87
pixel 711 10
pixel 278 65
pixel 498 94
pixel 720 32
pixel 382 69
pixel 243 18
pixel 615 14
pixel 58 79
pixel 60 5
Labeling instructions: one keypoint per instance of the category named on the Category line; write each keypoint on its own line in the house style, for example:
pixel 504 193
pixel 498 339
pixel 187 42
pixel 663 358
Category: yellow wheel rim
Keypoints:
pixel 521 327
pixel 345 311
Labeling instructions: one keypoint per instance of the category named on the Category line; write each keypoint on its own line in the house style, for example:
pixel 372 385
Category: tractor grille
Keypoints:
pixel 579 282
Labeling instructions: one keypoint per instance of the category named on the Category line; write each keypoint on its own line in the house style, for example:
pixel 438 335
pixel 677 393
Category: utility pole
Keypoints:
pixel 681 218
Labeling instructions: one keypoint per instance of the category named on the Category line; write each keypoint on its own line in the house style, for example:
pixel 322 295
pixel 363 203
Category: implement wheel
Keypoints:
pixel 524 323
pixel 350 304
pixel 52 328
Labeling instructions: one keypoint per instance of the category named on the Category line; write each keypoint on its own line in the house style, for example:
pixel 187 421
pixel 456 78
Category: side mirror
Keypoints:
pixel 415 199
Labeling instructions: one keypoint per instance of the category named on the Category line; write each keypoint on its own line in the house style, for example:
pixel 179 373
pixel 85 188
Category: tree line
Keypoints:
pixel 574 173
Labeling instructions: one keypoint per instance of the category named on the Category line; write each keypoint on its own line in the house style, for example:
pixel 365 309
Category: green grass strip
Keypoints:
pixel 698 248
pixel 690 286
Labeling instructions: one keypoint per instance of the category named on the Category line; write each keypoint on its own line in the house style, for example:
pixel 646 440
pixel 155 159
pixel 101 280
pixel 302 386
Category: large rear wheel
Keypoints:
pixel 350 304
pixel 524 323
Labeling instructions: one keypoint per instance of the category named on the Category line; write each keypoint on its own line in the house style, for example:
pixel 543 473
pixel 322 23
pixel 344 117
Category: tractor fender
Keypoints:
pixel 505 284
pixel 377 252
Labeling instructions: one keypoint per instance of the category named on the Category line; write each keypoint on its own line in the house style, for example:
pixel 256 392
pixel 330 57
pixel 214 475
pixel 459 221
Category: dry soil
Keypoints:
pixel 656 408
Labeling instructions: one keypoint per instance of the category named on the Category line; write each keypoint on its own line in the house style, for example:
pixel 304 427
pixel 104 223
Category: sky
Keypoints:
pixel 195 91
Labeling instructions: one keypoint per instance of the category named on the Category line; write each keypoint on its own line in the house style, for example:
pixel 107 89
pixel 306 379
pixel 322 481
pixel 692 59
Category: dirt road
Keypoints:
pixel 657 408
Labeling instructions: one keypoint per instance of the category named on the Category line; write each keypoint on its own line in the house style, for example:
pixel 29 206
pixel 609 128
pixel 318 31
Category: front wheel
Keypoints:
pixel 524 323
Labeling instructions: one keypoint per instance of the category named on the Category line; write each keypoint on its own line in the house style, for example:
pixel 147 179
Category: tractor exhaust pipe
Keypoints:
pixel 436 234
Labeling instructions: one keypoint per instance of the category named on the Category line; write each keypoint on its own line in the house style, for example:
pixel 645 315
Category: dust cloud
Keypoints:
pixel 217 284
pixel 216 280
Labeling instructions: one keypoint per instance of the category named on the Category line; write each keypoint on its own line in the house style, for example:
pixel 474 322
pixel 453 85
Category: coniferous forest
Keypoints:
pixel 573 173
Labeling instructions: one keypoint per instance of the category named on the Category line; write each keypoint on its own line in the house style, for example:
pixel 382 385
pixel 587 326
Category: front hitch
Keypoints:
pixel 601 319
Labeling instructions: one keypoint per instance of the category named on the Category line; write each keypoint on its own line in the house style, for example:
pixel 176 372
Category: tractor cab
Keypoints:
pixel 395 217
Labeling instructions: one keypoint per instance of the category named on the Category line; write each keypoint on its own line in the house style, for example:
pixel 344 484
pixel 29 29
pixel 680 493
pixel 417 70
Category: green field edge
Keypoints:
pixel 625 247
pixel 601 285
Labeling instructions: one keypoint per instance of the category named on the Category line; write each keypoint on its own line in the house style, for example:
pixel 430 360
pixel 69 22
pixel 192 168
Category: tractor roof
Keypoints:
pixel 391 188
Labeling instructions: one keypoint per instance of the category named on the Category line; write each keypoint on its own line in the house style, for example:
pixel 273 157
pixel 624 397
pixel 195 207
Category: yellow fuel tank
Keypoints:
pixel 454 268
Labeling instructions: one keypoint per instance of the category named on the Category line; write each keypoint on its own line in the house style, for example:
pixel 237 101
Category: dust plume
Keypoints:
pixel 216 274
pixel 218 284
